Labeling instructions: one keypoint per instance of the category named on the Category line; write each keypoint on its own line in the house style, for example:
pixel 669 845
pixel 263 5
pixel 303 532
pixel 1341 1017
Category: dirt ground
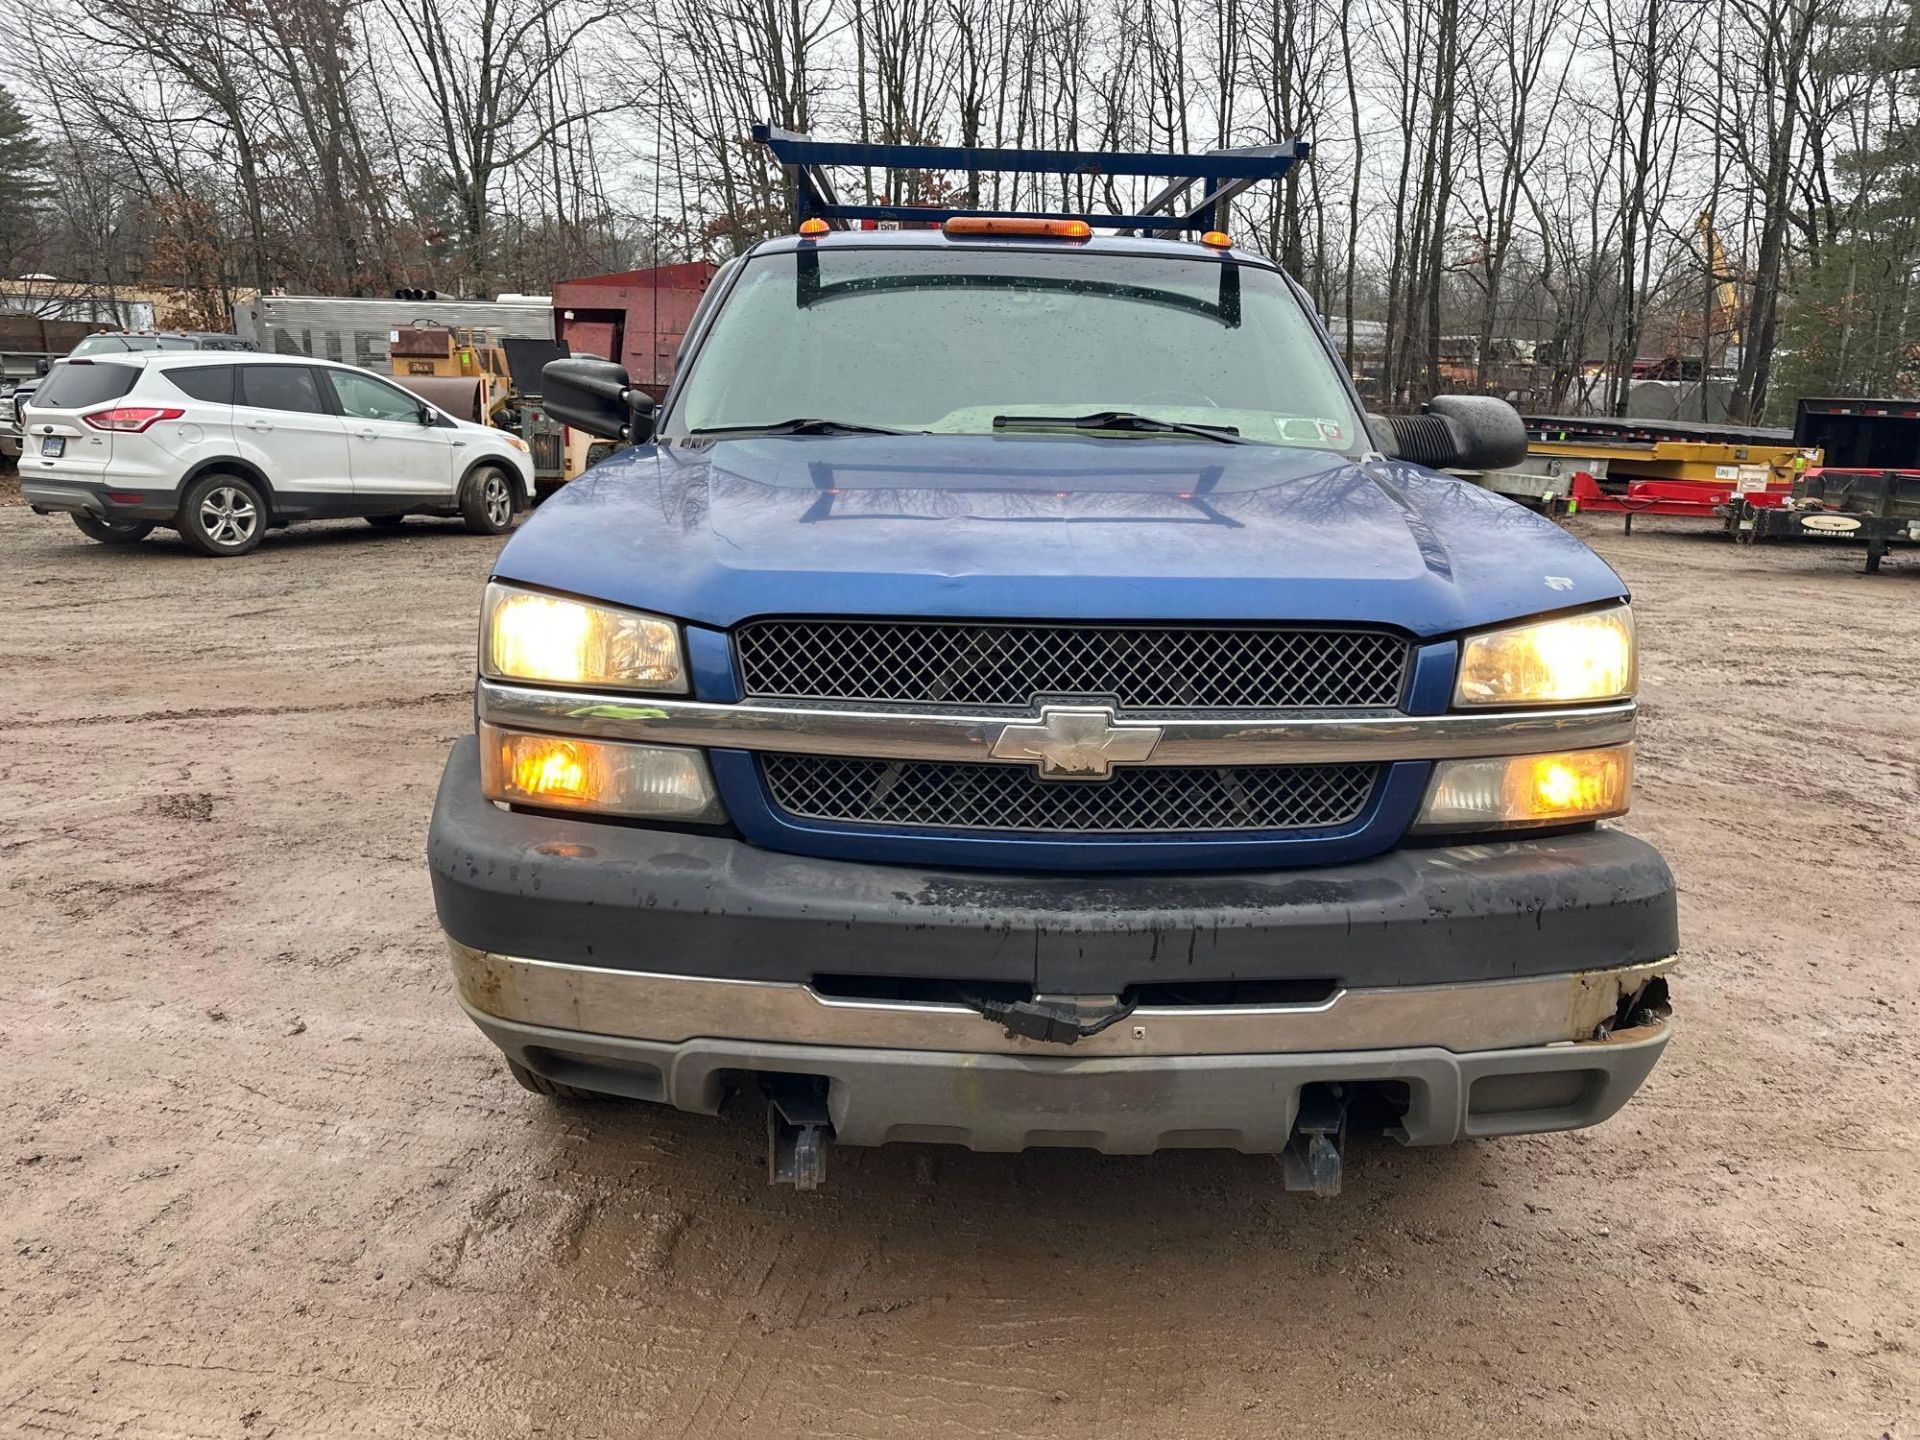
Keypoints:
pixel 258 1176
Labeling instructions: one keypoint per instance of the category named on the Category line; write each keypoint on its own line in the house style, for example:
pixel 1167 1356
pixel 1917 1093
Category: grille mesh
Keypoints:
pixel 1146 800
pixel 1142 668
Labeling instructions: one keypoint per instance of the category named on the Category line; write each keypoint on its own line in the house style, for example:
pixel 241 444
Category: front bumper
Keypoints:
pixel 1028 1094
pixel 627 898
pixel 1483 982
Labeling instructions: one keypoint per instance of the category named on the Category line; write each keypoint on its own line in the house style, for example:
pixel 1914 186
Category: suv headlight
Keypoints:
pixel 1550 662
pixel 549 639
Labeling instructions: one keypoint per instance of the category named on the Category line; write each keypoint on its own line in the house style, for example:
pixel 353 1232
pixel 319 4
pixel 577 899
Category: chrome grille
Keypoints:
pixel 1142 668
pixel 1174 799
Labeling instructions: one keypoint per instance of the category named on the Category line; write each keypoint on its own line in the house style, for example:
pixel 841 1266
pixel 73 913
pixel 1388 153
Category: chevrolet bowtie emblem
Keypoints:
pixel 1076 744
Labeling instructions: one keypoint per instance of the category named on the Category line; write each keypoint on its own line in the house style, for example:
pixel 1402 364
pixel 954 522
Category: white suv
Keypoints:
pixel 224 449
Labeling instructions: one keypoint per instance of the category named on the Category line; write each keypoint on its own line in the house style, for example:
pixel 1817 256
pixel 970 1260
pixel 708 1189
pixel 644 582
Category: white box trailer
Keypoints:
pixel 359 332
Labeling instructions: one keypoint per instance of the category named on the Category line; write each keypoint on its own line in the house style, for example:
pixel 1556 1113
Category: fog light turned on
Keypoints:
pixel 602 777
pixel 1512 791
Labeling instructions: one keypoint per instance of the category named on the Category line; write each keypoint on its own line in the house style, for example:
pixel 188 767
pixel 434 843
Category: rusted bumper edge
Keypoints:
pixel 1487 1058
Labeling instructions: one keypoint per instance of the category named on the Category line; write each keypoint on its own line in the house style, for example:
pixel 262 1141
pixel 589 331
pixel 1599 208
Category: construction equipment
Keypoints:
pixel 559 454
pixel 462 369
pixel 471 373
pixel 1723 315
pixel 1629 467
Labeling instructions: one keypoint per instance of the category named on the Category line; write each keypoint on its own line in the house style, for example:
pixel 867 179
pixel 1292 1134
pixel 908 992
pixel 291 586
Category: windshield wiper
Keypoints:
pixel 798 427
pixel 1121 420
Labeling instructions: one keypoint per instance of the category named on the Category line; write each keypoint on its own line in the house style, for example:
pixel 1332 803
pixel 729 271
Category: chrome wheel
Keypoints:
pixel 228 517
pixel 498 499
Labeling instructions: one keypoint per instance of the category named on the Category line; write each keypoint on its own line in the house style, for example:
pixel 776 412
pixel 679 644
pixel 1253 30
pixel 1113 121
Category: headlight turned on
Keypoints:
pixel 1549 662
pixel 550 639
pixel 600 777
pixel 1527 791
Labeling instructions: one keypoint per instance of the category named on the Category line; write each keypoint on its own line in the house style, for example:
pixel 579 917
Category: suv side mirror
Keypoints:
pixel 1455 432
pixel 597 396
pixel 41 366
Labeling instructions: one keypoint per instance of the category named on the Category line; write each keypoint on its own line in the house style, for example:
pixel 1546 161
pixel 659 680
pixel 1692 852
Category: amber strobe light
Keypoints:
pixel 606 777
pixel 1027 225
pixel 815 226
pixel 1503 792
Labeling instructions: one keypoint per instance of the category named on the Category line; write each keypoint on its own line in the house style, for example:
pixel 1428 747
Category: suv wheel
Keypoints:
pixel 109 532
pixel 223 515
pixel 486 501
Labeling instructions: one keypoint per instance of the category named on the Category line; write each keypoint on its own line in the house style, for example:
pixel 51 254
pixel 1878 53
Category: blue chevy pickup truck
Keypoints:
pixel 1010 694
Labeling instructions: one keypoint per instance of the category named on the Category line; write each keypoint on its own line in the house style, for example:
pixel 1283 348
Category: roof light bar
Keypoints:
pixel 1027 225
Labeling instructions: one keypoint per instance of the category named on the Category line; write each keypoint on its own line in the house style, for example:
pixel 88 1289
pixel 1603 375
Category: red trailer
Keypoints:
pixel 636 317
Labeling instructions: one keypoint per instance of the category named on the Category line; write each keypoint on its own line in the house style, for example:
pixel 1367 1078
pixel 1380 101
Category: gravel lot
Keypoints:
pixel 260 1177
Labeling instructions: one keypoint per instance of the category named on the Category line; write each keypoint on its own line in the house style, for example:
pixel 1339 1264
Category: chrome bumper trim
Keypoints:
pixel 902 735
pixel 1481 1015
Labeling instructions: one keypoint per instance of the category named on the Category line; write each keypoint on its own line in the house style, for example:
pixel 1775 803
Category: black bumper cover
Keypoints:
pixel 589 893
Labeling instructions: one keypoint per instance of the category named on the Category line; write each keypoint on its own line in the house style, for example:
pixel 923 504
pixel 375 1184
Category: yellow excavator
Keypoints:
pixel 1723 317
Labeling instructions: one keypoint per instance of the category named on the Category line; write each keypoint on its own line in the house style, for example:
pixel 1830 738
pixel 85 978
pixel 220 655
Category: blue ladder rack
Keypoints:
pixel 1226 174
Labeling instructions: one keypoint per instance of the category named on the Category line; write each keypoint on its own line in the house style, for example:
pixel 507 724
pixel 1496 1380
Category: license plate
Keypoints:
pixel 53 446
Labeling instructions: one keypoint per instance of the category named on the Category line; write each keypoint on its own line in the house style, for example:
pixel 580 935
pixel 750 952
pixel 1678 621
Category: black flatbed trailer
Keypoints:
pixel 1628 430
pixel 1866 491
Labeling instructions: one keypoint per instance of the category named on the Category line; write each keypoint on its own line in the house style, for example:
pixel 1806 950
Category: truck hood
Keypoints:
pixel 1047 527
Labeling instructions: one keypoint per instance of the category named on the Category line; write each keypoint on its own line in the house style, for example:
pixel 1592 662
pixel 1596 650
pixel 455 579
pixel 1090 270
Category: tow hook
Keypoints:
pixel 1311 1161
pixel 798 1129
pixel 1055 1019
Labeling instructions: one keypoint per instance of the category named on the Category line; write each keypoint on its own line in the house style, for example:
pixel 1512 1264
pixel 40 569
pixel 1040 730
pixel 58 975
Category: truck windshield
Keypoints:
pixel 953 340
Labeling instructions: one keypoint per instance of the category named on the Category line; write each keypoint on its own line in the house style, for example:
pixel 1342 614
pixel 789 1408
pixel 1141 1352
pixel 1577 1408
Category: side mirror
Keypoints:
pixel 42 366
pixel 1455 432
pixel 426 416
pixel 597 396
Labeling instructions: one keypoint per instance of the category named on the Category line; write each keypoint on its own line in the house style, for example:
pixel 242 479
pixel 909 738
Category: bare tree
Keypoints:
pixel 478 69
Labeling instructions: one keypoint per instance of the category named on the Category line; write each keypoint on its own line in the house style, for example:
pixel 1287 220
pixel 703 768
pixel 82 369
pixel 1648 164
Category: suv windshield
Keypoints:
pixel 951 339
